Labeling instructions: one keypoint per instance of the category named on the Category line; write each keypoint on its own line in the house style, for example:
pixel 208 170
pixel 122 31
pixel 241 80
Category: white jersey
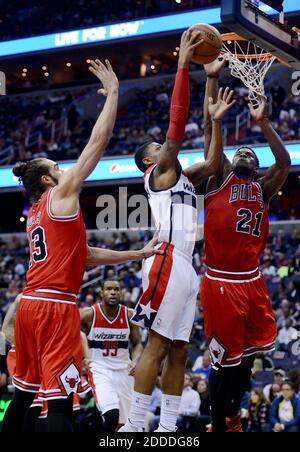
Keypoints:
pixel 109 339
pixel 175 210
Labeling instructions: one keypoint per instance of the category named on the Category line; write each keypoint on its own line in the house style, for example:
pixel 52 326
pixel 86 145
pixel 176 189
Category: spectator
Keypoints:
pixel 286 335
pixel 258 411
pixel 262 362
pixel 154 409
pixel 286 315
pixel 191 126
pixel 269 392
pixel 268 270
pixel 205 417
pixel 285 410
pixel 202 365
pixel 188 409
pixel 278 96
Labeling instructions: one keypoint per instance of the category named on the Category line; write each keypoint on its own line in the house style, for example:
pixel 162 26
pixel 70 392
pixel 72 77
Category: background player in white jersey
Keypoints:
pixel 167 306
pixel 111 370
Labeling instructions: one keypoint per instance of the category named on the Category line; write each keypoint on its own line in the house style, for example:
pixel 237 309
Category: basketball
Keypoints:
pixel 208 50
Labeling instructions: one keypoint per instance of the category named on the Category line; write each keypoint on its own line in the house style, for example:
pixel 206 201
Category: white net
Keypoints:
pixel 250 64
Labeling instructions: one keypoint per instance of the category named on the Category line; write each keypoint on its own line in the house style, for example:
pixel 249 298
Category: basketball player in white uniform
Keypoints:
pixel 111 369
pixel 170 286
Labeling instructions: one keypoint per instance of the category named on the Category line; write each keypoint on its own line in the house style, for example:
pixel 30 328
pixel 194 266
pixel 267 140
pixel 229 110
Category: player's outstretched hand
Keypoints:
pixel 189 40
pixel 222 105
pixel 150 249
pixel 106 75
pixel 259 112
pixel 214 69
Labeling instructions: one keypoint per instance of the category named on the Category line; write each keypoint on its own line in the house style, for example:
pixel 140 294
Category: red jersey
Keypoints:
pixel 57 252
pixel 236 226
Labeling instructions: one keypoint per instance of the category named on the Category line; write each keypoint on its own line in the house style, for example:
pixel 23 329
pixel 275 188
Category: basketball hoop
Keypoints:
pixel 248 62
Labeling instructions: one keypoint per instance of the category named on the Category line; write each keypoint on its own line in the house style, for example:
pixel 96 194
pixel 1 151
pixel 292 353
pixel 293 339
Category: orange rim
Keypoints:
pixel 232 37
pixel 254 56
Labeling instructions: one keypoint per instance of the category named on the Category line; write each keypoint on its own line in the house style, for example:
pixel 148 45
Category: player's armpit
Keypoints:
pixel 63 206
pixel 273 181
pixel 167 160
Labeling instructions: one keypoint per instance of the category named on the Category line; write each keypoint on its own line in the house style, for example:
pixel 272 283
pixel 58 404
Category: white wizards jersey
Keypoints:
pixel 109 339
pixel 175 210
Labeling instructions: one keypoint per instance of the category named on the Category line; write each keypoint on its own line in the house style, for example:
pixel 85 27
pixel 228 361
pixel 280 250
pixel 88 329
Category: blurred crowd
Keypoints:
pixel 27 18
pixel 55 124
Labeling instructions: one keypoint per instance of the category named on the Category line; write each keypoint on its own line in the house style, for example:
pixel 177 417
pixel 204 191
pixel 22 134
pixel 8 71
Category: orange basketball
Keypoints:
pixel 210 49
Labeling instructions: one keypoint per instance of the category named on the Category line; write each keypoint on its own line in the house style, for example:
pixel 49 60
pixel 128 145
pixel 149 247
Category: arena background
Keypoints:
pixel 49 108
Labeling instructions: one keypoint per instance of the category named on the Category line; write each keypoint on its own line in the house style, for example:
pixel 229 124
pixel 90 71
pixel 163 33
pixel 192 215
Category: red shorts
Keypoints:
pixel 43 405
pixel 48 349
pixel 238 318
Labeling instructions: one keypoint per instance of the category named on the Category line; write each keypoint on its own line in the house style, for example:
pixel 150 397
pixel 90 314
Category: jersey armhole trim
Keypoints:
pixel 178 175
pixel 230 175
pixel 60 217
pixel 262 194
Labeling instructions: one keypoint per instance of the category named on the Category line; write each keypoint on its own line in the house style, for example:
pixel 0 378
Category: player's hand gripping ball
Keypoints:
pixel 210 48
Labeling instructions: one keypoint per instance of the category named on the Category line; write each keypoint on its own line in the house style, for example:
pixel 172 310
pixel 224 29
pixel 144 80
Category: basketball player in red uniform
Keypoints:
pixel 39 407
pixel 237 310
pixel 47 330
pixel 111 369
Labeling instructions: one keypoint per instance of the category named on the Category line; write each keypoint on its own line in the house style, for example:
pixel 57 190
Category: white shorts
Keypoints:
pixel 112 390
pixel 168 302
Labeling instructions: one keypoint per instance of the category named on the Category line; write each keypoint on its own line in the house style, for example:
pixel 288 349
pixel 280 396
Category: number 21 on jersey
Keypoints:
pixel 243 225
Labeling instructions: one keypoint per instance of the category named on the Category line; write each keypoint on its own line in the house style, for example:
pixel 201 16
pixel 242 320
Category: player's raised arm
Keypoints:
pixel 277 173
pixel 214 164
pixel 64 199
pixel 213 71
pixel 165 171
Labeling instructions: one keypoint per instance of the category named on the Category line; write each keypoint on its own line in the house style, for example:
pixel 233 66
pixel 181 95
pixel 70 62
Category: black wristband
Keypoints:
pixel 212 76
pixel 217 120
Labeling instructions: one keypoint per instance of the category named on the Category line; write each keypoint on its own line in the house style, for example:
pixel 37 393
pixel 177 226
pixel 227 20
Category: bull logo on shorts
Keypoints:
pixel 70 378
pixel 72 382
pixel 217 351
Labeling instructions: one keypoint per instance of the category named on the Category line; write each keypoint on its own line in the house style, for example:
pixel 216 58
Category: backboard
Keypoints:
pixel 247 19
